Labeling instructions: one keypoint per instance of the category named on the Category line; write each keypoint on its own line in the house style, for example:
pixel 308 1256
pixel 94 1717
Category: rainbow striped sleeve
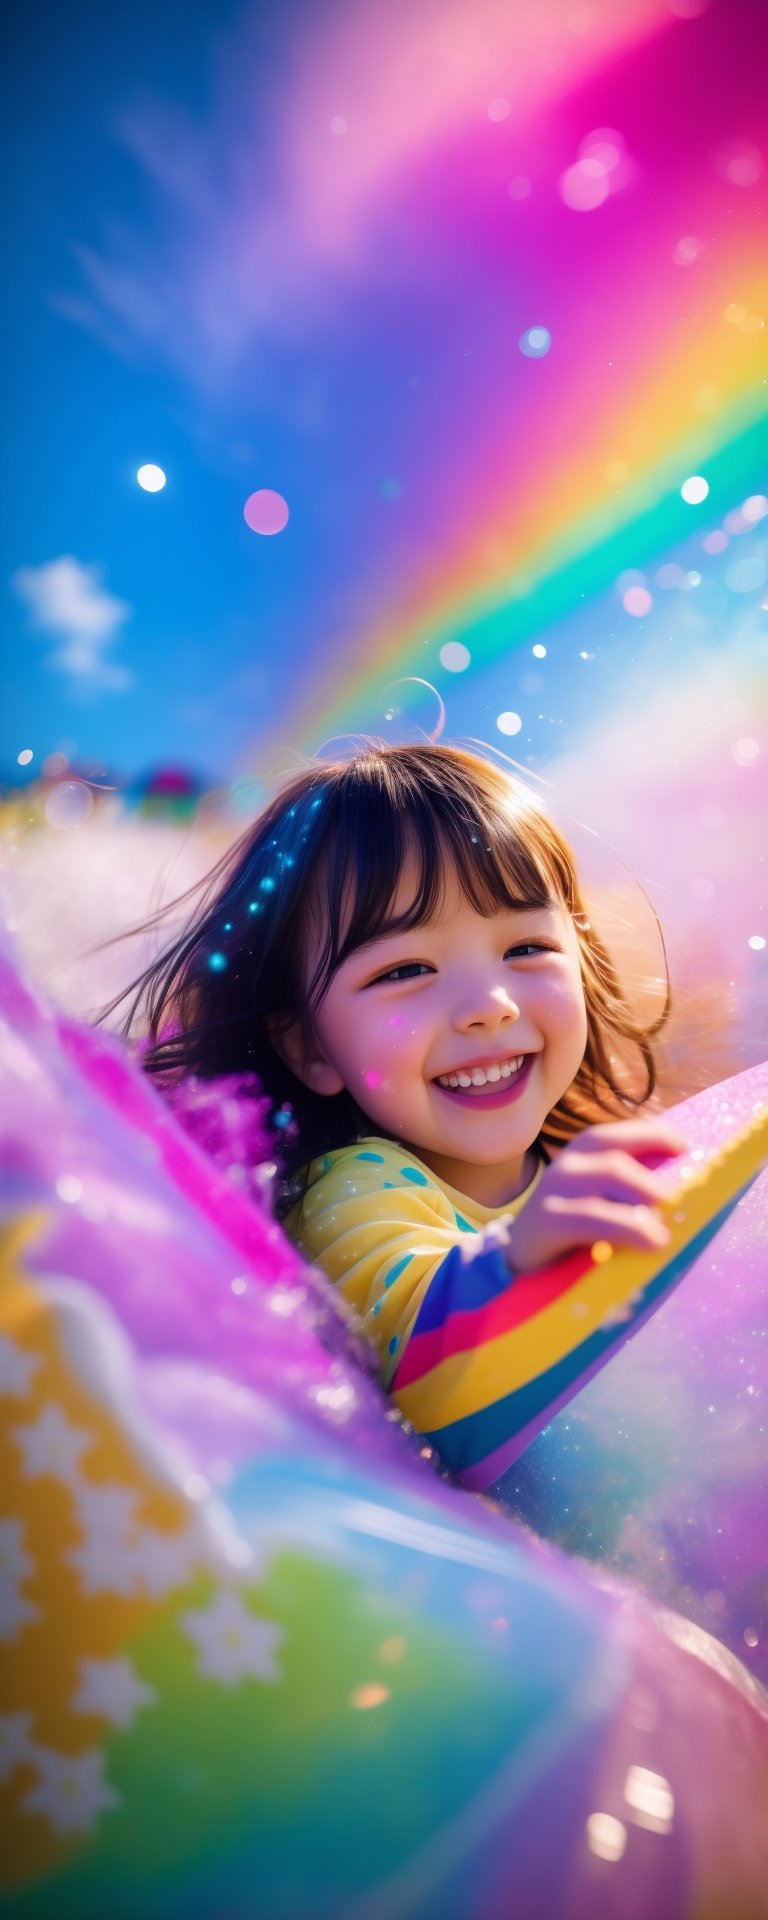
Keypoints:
pixel 491 1359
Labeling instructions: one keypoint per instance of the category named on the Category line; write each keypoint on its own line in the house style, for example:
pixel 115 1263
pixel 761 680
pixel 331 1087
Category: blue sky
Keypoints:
pixel 209 601
pixel 196 637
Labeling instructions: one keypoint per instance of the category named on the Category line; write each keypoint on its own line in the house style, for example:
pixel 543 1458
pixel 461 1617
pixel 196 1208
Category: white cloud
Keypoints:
pixel 68 601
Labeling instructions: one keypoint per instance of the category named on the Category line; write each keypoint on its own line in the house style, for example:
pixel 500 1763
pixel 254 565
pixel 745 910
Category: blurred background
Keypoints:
pixel 398 369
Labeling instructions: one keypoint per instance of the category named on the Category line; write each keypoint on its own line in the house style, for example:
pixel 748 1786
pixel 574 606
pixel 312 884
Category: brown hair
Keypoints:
pixel 316 876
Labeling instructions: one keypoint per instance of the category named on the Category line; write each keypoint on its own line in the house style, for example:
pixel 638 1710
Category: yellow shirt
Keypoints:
pixel 380 1223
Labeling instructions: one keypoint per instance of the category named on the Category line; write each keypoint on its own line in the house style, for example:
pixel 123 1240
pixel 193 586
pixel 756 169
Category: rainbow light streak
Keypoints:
pixel 532 484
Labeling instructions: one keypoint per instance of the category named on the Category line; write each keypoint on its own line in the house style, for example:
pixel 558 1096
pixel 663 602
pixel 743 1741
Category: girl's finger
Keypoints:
pixel 632 1135
pixel 612 1176
pixel 620 1225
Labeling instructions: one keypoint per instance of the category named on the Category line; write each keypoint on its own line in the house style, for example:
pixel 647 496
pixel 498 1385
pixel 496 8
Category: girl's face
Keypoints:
pixel 458 994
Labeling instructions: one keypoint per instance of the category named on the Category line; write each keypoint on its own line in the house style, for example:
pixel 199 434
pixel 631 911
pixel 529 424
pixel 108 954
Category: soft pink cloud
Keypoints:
pixel 263 213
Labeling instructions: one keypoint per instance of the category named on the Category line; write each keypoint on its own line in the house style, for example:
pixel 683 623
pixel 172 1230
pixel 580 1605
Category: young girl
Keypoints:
pixel 399 950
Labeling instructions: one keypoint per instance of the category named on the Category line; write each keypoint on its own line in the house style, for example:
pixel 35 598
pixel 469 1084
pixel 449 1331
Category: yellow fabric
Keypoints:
pixel 380 1223
pixel 76 1593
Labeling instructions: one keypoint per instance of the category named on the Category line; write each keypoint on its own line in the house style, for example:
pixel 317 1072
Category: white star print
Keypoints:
pixel 15 1568
pixel 112 1688
pixel 51 1445
pixel 71 1790
pixel 15 1563
pixel 15 1610
pixel 106 1560
pixel 107 1510
pixel 105 1565
pixel 15 1743
pixel 16 1368
pixel 163 1560
pixel 232 1642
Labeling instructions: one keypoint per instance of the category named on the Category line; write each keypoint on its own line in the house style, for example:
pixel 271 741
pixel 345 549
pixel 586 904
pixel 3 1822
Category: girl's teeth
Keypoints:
pixel 480 1077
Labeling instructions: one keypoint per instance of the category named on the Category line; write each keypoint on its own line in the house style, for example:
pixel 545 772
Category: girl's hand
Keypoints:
pixel 596 1188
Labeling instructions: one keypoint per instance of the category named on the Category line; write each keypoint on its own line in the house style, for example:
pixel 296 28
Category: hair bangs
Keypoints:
pixel 382 810
pixel 358 873
pixel 498 870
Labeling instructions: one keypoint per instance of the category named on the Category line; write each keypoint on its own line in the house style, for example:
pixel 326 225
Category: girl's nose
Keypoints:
pixel 487 1008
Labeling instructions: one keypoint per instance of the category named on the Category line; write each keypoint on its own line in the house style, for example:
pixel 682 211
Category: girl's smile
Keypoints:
pixel 498 1087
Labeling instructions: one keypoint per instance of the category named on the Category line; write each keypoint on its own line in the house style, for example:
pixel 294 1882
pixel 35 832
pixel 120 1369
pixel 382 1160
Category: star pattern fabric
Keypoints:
pixel 51 1445
pixel 112 1689
pixel 232 1643
pixel 98 1537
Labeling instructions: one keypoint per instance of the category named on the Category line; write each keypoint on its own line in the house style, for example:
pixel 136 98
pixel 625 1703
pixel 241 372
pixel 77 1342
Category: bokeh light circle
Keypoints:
pixel 69 1189
pixel 535 343
pixel 715 542
pixel 637 601
pixel 151 479
pixel 687 251
pixel 585 185
pixel 499 109
pixel 746 751
pixel 606 1836
pixel 454 656
pixel 604 145
pixel 539 652
pixel 688 9
pixel 24 757
pixel 630 577
pixel 755 508
pixel 739 162
pixel 69 804
pixel 757 943
pixel 519 188
pixel 338 125
pixel 694 489
pixel 735 522
pixel 509 723
pixel 265 511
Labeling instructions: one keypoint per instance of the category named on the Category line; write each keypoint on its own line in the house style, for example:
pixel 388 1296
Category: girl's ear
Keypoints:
pixel 310 1066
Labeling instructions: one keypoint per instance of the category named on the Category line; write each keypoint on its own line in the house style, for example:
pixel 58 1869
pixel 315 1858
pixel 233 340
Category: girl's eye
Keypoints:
pixel 408 968
pixel 405 970
pixel 532 947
